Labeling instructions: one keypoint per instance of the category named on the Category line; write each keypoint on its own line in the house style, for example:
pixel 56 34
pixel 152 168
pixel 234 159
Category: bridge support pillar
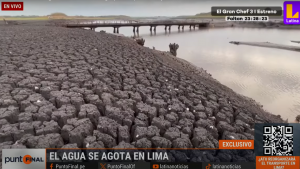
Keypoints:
pixel 169 28
pixel 134 29
pixel 165 28
pixel 182 27
pixel 190 26
pixel 194 26
pixel 117 29
pixel 137 29
pixel 154 28
pixel 178 27
pixel 150 28
pixel 114 29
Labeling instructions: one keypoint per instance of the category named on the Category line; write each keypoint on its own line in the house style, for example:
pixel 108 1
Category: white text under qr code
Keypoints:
pixel 278 140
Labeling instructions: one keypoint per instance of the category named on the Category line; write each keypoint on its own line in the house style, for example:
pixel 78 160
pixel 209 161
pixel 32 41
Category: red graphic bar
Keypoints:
pixel 12 6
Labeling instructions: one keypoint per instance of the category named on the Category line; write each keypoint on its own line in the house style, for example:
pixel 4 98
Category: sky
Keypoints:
pixel 130 7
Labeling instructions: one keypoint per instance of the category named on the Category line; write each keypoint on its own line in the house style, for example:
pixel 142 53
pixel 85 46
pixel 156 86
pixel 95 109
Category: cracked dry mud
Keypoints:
pixel 74 88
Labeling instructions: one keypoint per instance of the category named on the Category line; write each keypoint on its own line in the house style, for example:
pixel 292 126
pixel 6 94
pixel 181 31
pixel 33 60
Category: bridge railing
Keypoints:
pixel 126 22
pixel 106 22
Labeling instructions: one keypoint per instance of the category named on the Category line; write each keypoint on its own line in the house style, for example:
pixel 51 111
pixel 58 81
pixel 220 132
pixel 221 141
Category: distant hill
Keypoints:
pixel 58 14
pixel 19 16
pixel 124 17
pixel 204 14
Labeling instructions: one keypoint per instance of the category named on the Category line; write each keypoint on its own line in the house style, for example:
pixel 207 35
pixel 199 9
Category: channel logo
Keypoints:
pixel 291 11
pixel 27 159
pixel 23 158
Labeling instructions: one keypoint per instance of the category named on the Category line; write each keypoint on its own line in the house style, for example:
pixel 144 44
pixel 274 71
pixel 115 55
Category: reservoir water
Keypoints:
pixel 269 76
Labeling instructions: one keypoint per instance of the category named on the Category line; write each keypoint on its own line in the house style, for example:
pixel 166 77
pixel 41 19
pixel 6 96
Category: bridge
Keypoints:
pixel 136 25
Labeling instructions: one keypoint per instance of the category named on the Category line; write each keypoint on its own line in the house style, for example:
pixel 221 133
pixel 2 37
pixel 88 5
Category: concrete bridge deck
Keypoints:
pixel 136 25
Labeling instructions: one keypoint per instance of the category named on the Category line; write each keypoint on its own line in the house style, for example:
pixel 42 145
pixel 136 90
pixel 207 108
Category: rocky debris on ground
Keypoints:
pixel 76 130
pixel 7 22
pixel 297 120
pixel 42 141
pixel 140 41
pixel 64 87
pixel 173 48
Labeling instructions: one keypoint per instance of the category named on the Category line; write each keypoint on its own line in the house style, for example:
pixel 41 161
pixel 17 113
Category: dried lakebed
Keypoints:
pixel 68 88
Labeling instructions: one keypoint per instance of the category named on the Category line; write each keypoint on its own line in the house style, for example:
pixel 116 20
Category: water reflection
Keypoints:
pixel 136 34
pixel 152 33
pixel 270 76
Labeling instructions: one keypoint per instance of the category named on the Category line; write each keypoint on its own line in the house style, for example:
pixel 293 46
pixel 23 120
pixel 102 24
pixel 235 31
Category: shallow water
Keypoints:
pixel 270 76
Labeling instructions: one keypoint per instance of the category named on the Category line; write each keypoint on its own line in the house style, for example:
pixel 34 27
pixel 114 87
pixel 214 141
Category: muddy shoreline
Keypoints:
pixel 64 87
pixel 268 45
pixel 272 24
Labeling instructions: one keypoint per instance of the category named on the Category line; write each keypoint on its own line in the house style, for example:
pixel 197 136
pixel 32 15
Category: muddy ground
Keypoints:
pixel 64 87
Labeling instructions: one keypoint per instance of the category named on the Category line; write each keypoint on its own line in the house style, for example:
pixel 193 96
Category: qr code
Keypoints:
pixel 278 140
